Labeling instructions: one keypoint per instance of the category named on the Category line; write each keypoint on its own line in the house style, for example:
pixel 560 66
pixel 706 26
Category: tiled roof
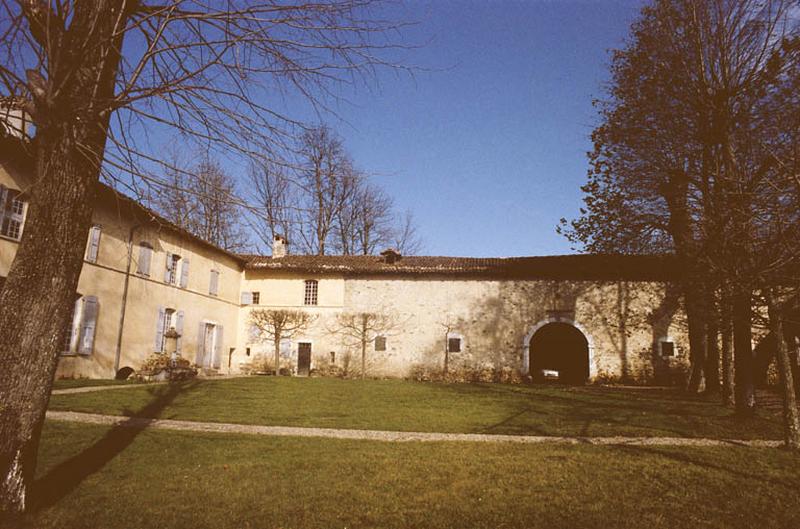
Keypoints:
pixel 579 267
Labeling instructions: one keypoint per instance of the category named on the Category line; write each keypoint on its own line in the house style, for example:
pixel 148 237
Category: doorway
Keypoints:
pixel 303 359
pixel 559 351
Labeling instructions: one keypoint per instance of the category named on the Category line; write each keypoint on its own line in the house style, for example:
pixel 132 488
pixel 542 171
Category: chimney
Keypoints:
pixel 280 247
pixel 391 256
pixel 14 121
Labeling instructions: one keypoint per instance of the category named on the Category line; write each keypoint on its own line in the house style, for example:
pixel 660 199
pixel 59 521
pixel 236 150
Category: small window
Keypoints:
pixel 171 268
pixel 380 343
pixel 311 292
pixel 213 285
pixel 145 256
pixel 93 248
pixel 454 345
pixel 256 298
pixel 12 213
pixel 667 348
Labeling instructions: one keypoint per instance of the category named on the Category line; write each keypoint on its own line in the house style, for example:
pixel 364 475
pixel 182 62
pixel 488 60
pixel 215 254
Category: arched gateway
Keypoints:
pixel 558 346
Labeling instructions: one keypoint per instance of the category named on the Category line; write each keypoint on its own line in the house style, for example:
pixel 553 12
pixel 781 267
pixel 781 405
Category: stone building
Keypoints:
pixel 580 317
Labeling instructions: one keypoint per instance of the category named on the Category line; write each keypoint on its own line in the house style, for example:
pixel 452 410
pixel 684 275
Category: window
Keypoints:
pixel 454 345
pixel 168 319
pixel 80 338
pixel 311 292
pixel 94 243
pixel 12 213
pixel 667 348
pixel 256 298
pixel 171 268
pixel 380 343
pixel 213 284
pixel 333 357
pixel 145 255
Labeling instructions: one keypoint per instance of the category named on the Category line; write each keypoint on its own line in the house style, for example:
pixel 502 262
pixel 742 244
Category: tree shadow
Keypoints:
pixel 67 475
pixel 733 469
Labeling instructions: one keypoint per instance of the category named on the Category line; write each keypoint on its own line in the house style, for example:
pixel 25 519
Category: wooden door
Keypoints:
pixel 303 359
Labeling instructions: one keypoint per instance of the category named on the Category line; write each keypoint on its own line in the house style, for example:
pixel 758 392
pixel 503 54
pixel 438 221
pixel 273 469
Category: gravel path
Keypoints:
pixel 92 389
pixel 390 436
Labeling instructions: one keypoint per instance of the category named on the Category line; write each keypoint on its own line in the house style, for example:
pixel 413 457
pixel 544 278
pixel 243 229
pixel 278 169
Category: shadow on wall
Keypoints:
pixel 65 477
pixel 621 318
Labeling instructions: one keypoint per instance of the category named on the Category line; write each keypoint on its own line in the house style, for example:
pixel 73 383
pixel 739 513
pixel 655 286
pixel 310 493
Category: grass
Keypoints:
pixel 69 383
pixel 412 406
pixel 92 476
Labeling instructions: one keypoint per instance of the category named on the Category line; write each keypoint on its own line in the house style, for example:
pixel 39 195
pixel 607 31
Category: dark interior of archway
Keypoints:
pixel 563 348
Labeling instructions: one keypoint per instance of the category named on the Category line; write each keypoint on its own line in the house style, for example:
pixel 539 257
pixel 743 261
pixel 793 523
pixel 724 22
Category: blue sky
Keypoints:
pixel 488 148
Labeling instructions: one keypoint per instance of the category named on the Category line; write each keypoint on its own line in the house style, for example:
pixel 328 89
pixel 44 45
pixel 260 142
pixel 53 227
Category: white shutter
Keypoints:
pixel 94 244
pixel 75 329
pixel 213 288
pixel 201 344
pixel 185 273
pixel 89 324
pixel 179 330
pixel 218 346
pixel 143 266
pixel 247 298
pixel 168 270
pixel 159 345
pixel 3 195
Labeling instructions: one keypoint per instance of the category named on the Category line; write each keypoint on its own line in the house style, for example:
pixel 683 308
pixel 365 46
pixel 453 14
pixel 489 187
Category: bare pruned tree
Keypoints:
pixel 103 81
pixel 276 325
pixel 273 198
pixel 364 328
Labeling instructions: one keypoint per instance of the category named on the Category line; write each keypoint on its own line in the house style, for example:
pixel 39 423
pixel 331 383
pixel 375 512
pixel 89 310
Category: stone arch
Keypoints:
pixel 526 343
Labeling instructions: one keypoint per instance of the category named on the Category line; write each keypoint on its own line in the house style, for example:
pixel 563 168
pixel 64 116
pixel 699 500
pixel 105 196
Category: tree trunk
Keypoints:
pixel 363 358
pixel 695 315
pixel 712 344
pixel 791 420
pixel 36 302
pixel 726 329
pixel 743 354
pixel 277 352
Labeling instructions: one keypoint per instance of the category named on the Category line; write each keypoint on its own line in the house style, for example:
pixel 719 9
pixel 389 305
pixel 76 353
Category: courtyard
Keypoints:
pixel 122 476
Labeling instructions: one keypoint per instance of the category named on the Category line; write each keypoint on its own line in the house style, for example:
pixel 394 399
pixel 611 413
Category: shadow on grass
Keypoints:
pixel 66 476
pixel 733 469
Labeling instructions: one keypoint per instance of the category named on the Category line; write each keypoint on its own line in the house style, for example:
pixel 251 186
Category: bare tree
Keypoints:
pixel 99 80
pixel 275 325
pixel 328 181
pixel 364 226
pixel 364 328
pixel 273 198
pixel 202 199
pixel 406 237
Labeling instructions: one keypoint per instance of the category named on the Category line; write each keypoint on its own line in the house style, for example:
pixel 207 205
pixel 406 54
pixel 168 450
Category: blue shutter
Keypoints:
pixel 213 287
pixel 143 266
pixel 75 329
pixel 170 262
pixel 179 330
pixel 247 298
pixel 88 325
pixel 201 344
pixel 94 244
pixel 162 313
pixel 185 273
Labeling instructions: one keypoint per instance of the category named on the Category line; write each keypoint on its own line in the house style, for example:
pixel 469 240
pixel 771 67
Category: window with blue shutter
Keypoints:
pixel 145 256
pixel 93 247
pixel 88 324
pixel 160 322
pixel 184 273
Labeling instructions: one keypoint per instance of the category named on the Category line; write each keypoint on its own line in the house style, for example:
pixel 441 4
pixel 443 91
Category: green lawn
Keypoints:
pixel 68 383
pixel 93 477
pixel 430 407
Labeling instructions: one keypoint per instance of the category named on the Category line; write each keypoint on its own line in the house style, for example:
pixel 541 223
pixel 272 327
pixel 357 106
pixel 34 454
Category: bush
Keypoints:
pixel 466 374
pixel 161 366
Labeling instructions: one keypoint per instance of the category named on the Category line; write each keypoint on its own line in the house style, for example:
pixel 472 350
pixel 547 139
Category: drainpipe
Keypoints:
pixel 124 298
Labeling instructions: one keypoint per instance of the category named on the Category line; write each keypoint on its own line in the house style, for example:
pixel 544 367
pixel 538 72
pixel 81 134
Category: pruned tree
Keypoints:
pixel 364 226
pixel 102 81
pixel 273 199
pixel 275 325
pixel 364 328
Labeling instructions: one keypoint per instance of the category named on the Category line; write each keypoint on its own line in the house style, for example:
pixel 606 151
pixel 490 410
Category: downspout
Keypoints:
pixel 118 353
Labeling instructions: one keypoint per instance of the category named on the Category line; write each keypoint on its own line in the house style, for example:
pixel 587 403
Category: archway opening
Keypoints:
pixel 559 351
